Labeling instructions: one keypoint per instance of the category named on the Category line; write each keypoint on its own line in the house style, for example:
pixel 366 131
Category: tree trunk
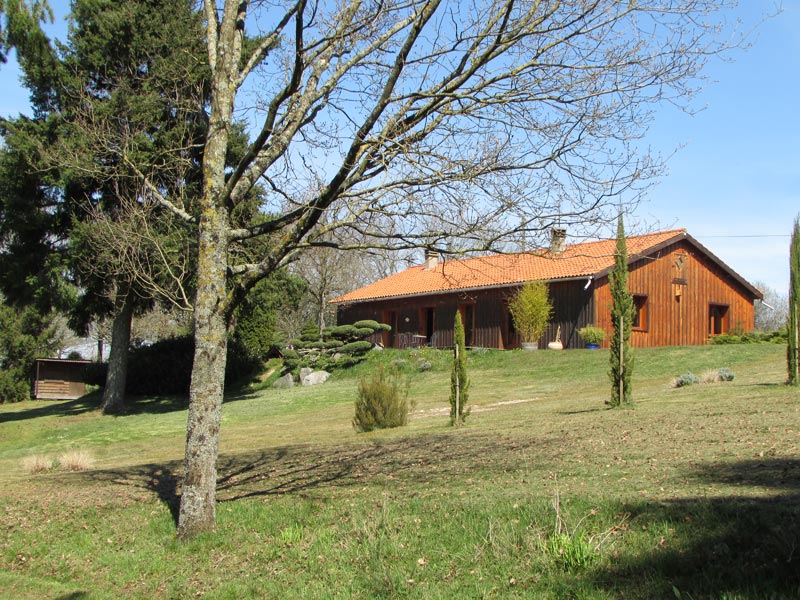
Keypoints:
pixel 114 390
pixel 197 512
pixel 198 496
pixel 100 347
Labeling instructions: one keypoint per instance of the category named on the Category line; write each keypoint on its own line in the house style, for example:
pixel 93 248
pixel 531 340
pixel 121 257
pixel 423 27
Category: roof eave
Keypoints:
pixel 462 290
pixel 693 241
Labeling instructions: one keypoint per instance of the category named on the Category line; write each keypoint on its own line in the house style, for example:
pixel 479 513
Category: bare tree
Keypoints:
pixel 450 120
pixel 772 312
pixel 330 272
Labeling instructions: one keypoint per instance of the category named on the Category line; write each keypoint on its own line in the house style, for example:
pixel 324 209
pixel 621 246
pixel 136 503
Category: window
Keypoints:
pixel 717 319
pixel 641 313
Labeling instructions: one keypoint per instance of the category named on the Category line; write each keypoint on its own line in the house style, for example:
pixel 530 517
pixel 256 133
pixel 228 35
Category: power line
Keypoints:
pixel 767 235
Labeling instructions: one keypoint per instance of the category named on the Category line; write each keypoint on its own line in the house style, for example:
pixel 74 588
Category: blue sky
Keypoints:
pixel 734 181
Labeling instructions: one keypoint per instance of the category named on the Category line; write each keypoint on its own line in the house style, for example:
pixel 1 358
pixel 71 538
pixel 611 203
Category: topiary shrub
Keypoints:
pixel 382 401
pixel 336 347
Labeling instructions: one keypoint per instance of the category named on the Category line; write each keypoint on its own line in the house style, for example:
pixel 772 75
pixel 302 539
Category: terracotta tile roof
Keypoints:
pixel 577 260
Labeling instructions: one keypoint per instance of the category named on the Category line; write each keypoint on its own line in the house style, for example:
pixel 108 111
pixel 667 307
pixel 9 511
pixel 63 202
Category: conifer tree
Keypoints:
pixel 793 359
pixel 622 312
pixel 459 381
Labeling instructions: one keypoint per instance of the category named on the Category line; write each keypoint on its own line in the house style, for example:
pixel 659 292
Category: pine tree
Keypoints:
pixel 793 358
pixel 459 382
pixel 622 312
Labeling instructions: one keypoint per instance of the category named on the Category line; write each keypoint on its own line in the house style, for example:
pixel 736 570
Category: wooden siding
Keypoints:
pixel 680 284
pixel 573 307
pixel 59 380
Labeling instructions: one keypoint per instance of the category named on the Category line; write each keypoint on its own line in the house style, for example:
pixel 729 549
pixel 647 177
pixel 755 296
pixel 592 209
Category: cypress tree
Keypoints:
pixel 459 382
pixel 622 312
pixel 793 359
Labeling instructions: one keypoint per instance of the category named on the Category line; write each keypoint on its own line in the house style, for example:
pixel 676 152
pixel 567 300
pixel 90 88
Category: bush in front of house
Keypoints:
pixel 592 334
pixel 335 348
pixel 779 336
pixel 382 401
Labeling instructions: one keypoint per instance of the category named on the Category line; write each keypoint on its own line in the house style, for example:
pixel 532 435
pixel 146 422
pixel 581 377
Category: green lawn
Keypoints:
pixel 546 493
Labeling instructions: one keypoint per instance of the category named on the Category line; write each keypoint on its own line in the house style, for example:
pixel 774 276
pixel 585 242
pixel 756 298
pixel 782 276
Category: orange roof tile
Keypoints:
pixel 577 260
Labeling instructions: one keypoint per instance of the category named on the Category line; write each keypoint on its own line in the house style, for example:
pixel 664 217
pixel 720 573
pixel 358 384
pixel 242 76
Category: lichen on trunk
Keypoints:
pixel 197 510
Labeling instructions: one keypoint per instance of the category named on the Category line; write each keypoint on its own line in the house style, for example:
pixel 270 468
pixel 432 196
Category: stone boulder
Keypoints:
pixel 284 382
pixel 315 378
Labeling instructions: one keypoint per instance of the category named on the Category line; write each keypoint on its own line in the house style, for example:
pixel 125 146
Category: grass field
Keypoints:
pixel 694 493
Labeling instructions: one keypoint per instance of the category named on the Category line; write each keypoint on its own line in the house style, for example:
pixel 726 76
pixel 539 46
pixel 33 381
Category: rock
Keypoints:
pixel 304 372
pixel 284 382
pixel 315 378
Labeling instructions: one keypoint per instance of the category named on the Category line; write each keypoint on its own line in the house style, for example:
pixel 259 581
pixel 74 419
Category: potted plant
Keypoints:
pixel 592 336
pixel 530 307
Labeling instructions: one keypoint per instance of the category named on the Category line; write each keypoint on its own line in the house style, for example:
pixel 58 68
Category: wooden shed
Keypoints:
pixel 683 294
pixel 59 379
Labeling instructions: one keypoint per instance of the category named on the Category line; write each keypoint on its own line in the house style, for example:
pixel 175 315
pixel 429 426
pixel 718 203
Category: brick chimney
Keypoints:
pixel 431 260
pixel 558 240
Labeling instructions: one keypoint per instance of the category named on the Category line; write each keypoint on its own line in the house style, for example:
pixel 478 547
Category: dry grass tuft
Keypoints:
pixel 38 463
pixel 75 460
pixel 710 376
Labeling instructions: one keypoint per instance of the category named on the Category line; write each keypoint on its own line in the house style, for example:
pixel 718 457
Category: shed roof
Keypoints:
pixel 587 259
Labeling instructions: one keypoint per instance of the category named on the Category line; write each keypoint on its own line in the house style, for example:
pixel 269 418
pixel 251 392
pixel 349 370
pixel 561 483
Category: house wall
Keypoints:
pixel 680 283
pixel 491 322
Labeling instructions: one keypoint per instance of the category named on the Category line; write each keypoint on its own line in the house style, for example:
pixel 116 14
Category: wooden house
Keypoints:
pixel 59 379
pixel 682 292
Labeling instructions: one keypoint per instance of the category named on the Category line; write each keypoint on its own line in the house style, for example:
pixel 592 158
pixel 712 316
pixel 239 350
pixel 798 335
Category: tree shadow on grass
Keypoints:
pixel 135 405
pixel 300 469
pixel 162 480
pixel 431 458
pixel 744 545
pixel 49 408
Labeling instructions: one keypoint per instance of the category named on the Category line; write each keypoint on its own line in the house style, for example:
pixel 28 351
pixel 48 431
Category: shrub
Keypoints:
pixel 752 337
pixel 717 375
pixel 165 368
pixel 592 334
pixel 14 385
pixel 687 378
pixel 531 309
pixel 75 460
pixel 382 401
pixel 37 463
pixel 336 347
pixel 725 374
